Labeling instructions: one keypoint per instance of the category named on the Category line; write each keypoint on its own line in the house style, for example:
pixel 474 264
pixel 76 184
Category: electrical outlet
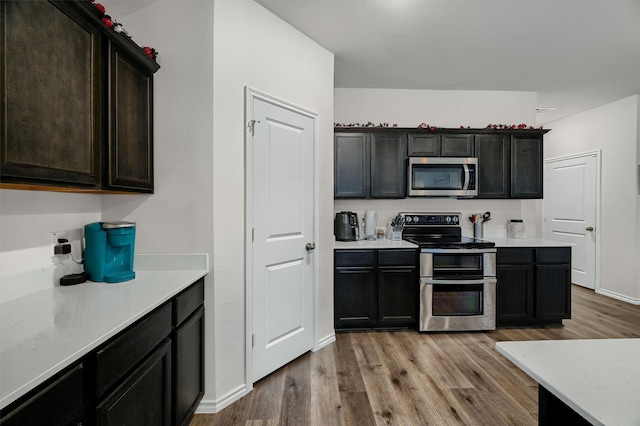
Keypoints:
pixel 73 236
pixel 53 241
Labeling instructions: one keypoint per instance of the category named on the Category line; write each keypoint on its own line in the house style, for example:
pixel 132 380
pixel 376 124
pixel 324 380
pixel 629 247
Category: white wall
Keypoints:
pixel 442 108
pixel 613 128
pixel 254 48
pixel 28 217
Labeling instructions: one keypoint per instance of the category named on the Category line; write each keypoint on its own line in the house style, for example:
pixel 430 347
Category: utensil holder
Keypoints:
pixel 477 230
pixel 396 235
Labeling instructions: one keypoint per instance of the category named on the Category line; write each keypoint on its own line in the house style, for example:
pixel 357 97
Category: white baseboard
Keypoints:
pixel 211 407
pixel 618 296
pixel 325 341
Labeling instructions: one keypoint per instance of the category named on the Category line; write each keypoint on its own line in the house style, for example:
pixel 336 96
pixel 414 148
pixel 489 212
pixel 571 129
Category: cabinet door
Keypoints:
pixel 130 123
pixel 457 145
pixel 50 100
pixel 58 403
pixel 397 296
pixel 188 386
pixel 355 297
pixel 515 294
pixel 420 145
pixel 388 165
pixel 553 292
pixel 144 398
pixel 351 165
pixel 494 165
pixel 526 167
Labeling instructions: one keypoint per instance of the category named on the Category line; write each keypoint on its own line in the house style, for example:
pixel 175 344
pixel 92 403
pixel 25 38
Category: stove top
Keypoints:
pixel 438 230
pixel 430 241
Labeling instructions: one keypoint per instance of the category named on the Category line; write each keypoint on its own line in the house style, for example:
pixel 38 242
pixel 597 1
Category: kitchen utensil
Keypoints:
pixel 370 223
pixel 515 229
pixel 345 226
pixel 108 255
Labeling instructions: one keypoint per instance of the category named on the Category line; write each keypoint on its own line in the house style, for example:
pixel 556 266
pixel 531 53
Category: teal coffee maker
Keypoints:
pixel 108 254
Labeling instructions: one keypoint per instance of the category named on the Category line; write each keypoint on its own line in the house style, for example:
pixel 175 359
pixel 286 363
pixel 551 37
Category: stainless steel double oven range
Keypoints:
pixel 457 274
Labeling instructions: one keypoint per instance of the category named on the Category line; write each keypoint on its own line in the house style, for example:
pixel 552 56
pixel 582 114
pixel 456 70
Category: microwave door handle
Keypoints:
pixel 465 186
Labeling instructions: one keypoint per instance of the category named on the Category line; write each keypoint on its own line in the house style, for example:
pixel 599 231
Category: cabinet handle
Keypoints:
pixel 589 228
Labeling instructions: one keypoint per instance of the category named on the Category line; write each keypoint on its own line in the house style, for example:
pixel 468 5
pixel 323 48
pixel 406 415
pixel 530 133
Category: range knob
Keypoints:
pixel 455 219
pixel 415 219
pixel 408 219
pixel 447 219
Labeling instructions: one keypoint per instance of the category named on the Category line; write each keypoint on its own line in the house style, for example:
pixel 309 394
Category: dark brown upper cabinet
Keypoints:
pixel 372 162
pixel 494 166
pixel 440 145
pixel 370 165
pixel 77 106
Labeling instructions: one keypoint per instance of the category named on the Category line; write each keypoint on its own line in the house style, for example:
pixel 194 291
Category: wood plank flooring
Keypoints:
pixel 411 378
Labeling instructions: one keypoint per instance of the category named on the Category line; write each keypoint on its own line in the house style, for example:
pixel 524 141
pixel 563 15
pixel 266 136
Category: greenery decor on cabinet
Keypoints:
pixel 77 112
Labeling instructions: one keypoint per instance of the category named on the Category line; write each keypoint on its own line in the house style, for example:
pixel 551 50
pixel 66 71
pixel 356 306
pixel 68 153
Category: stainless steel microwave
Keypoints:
pixel 442 177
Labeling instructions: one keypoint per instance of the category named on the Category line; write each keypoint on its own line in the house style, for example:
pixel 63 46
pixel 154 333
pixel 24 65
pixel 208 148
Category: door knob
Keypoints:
pixel 589 228
pixel 310 246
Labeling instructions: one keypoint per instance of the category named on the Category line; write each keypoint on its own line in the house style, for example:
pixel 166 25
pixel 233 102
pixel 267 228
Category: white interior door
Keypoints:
pixel 282 144
pixel 570 210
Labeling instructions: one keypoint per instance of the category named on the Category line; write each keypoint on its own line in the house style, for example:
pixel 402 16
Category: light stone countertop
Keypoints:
pixel 526 242
pixel 43 332
pixel 381 243
pixel 384 243
pixel 597 378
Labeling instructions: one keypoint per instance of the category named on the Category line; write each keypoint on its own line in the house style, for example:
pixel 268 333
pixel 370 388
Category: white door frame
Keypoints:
pixel 598 154
pixel 250 95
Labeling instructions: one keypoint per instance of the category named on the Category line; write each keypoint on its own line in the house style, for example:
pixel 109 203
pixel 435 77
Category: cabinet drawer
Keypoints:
pixel 59 403
pixel 553 255
pixel 121 355
pixel 515 256
pixel 397 257
pixel 355 258
pixel 188 301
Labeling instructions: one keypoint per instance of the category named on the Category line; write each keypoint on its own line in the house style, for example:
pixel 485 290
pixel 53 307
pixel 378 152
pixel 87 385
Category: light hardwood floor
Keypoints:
pixel 411 378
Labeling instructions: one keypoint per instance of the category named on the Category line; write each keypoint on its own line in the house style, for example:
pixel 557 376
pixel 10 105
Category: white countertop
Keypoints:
pixel 381 243
pixel 500 242
pixel 43 332
pixel 526 242
pixel 599 379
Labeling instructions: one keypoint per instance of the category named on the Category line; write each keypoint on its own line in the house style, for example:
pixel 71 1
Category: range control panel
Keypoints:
pixel 427 219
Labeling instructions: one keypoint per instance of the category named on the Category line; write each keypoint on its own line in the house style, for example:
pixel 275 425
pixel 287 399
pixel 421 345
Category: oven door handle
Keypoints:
pixel 486 280
pixel 459 251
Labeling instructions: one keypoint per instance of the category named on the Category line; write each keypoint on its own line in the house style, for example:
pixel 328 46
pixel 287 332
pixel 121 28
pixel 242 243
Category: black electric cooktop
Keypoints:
pixel 447 241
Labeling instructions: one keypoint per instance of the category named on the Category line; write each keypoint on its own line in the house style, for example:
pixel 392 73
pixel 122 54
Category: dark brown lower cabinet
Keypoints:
pixel 144 398
pixel 376 289
pixel 59 402
pixel 188 383
pixel 534 286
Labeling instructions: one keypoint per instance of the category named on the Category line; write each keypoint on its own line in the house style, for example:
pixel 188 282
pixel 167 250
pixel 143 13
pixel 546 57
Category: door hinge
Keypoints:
pixel 253 339
pixel 251 126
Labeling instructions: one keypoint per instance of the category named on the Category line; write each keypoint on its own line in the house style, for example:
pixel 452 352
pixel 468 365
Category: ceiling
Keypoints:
pixel 576 54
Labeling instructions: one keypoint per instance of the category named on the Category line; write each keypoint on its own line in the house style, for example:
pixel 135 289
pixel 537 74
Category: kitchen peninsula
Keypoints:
pixel 580 381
